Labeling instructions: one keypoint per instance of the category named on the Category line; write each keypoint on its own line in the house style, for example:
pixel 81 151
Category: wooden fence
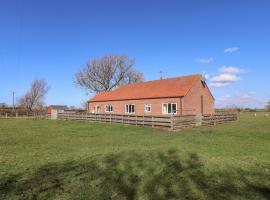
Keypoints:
pixel 184 122
pixel 153 121
pixel 218 118
pixel 11 115
pixel 174 123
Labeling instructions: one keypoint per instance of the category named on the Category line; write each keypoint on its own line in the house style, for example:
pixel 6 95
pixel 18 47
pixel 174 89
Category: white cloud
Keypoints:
pixel 222 80
pixel 242 100
pixel 231 70
pixel 231 50
pixel 206 76
pixel 226 76
pixel 205 60
pixel 219 84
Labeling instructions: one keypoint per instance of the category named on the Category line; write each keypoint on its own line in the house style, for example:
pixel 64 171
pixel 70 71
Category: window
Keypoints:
pixel 130 108
pixel 97 109
pixel 169 108
pixel 108 108
pixel 147 108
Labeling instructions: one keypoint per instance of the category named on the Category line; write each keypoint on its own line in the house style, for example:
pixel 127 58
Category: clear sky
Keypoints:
pixel 52 39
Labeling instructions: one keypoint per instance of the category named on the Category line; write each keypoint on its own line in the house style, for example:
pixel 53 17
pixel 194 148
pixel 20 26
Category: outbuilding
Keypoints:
pixel 58 108
pixel 186 95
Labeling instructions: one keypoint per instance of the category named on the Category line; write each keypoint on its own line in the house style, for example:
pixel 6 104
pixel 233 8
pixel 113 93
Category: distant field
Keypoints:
pixel 42 159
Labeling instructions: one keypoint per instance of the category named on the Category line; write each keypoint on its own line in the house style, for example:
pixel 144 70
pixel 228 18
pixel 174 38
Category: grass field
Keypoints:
pixel 42 159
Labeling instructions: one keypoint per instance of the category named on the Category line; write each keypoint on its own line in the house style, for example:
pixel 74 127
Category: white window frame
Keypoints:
pixel 148 105
pixel 127 111
pixel 96 106
pixel 163 112
pixel 110 108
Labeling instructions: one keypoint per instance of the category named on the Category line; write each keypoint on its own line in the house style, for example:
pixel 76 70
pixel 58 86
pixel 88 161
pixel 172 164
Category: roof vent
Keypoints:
pixel 203 76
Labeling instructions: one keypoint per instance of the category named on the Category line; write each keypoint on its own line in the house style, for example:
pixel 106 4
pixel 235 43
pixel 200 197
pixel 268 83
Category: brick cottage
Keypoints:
pixel 185 95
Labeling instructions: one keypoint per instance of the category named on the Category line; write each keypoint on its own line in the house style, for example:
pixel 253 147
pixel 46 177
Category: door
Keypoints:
pixel 202 105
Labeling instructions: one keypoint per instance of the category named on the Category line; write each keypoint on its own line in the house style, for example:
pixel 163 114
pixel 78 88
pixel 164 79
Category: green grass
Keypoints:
pixel 42 159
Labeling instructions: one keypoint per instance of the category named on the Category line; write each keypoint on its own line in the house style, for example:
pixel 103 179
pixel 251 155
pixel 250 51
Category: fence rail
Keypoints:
pixel 218 118
pixel 174 123
pixel 12 115
pixel 169 122
pixel 154 121
pixel 184 122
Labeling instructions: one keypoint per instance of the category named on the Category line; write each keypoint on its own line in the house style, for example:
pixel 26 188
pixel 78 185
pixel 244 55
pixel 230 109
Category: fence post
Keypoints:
pixel 152 121
pixel 16 115
pixel 54 114
pixel 136 120
pixel 198 119
pixel 172 122
pixel 143 120
pixel 6 115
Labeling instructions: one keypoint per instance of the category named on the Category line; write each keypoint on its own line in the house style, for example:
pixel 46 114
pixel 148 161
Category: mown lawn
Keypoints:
pixel 42 159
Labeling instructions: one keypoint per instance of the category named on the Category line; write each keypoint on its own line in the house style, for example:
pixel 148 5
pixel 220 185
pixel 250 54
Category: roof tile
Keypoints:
pixel 171 87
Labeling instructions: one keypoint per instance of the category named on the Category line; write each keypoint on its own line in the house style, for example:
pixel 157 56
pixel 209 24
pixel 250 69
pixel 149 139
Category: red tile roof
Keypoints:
pixel 171 87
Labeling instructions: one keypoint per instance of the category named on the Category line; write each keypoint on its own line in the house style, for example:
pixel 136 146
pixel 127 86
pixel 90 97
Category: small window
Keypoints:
pixel 169 108
pixel 130 108
pixel 147 108
pixel 165 108
pixel 108 108
pixel 97 109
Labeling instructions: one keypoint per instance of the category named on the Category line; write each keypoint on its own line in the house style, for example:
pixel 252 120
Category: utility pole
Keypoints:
pixel 13 100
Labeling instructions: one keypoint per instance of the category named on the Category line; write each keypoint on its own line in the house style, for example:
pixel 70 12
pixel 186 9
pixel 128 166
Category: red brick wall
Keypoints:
pixel 192 100
pixel 191 103
pixel 119 106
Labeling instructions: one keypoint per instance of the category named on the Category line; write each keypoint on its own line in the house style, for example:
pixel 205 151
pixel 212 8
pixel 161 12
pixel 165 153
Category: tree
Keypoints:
pixel 267 107
pixel 106 73
pixel 34 98
pixel 132 76
pixel 84 104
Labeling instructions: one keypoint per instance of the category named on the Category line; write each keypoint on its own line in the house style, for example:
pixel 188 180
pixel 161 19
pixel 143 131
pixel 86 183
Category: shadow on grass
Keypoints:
pixel 136 176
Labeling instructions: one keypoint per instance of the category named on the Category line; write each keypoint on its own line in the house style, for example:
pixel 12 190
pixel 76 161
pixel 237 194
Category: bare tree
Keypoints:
pixel 34 98
pixel 84 104
pixel 107 72
pixel 132 76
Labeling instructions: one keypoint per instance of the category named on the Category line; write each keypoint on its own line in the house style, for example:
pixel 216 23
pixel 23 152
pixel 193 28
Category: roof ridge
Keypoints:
pixel 175 86
pixel 185 76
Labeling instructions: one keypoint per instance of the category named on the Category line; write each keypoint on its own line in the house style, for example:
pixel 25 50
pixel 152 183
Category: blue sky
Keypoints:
pixel 52 39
